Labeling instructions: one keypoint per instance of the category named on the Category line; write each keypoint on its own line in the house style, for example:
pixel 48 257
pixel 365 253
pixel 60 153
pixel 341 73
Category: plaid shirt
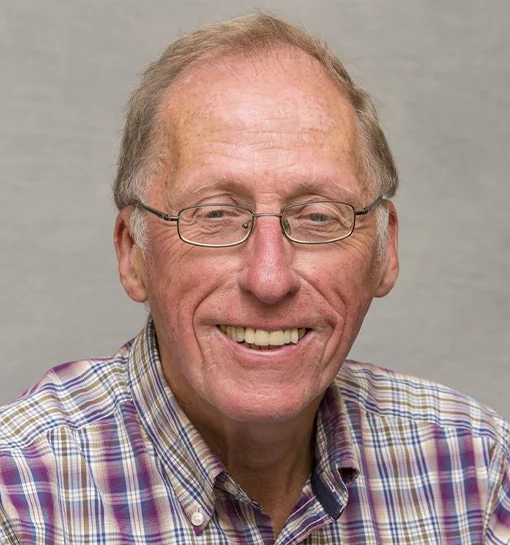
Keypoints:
pixel 99 452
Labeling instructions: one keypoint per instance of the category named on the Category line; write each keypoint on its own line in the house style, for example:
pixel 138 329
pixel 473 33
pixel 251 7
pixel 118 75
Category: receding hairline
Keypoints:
pixel 226 59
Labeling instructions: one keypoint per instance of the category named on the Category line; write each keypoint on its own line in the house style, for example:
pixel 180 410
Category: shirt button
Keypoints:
pixel 231 488
pixel 197 518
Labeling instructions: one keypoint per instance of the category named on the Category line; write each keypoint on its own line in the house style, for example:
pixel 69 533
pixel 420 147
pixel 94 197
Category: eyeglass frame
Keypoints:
pixel 168 218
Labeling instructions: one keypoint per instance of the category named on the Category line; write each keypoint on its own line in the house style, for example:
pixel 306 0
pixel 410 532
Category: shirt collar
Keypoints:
pixel 336 463
pixel 179 445
pixel 190 465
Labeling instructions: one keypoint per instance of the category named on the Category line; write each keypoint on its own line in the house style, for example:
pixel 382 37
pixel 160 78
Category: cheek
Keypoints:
pixel 344 276
pixel 344 285
pixel 183 277
pixel 168 287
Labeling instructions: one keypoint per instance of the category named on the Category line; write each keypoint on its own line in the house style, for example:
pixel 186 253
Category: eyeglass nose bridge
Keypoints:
pixel 251 224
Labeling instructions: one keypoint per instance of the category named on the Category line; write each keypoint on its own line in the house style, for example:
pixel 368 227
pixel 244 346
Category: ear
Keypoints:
pixel 131 263
pixel 389 267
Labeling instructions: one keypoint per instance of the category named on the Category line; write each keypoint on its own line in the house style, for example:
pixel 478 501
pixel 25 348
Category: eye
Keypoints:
pixel 215 214
pixel 318 217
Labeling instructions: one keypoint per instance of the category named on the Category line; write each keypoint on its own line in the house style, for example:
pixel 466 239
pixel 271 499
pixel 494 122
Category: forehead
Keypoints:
pixel 281 105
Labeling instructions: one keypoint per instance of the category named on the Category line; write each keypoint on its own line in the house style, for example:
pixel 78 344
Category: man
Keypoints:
pixel 255 221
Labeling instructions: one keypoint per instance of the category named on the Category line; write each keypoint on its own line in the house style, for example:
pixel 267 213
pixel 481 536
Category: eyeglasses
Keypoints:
pixel 223 225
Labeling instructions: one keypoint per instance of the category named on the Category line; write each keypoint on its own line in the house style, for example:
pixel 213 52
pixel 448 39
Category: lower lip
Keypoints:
pixel 273 352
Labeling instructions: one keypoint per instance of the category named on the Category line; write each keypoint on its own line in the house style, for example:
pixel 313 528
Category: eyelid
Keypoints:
pixel 310 201
pixel 218 199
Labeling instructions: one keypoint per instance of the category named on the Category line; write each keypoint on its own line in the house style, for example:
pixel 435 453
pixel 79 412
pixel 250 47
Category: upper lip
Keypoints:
pixel 266 327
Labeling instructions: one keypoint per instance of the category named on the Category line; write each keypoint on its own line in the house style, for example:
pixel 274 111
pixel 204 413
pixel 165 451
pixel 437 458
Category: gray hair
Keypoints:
pixel 140 153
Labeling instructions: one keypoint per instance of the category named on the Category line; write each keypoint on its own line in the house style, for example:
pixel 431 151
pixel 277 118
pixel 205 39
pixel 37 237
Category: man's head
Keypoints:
pixel 262 125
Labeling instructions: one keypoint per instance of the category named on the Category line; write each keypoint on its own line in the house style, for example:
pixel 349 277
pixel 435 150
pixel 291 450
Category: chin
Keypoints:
pixel 263 407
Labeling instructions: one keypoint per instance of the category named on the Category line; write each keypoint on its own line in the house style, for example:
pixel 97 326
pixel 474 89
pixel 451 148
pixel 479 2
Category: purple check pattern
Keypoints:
pixel 99 452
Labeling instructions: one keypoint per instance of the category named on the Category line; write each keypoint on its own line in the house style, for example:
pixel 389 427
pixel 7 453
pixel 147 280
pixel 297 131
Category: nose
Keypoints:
pixel 267 273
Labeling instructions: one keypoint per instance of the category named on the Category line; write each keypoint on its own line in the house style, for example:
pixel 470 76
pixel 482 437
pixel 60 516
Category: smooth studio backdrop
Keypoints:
pixel 440 73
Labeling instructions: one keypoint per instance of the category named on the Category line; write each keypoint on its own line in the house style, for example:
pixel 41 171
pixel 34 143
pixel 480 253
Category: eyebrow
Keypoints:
pixel 244 189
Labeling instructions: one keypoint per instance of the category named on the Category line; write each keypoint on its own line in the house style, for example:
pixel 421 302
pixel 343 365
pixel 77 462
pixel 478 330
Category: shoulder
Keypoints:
pixel 386 395
pixel 71 395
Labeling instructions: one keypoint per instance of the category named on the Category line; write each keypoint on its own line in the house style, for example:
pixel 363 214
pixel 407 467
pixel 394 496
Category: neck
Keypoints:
pixel 270 461
pixel 274 452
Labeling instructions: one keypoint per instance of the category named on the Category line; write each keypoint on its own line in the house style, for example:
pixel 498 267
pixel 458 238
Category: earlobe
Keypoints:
pixel 130 259
pixel 389 266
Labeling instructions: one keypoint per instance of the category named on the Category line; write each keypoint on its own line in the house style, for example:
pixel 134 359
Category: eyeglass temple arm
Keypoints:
pixel 370 207
pixel 157 212
pixel 165 217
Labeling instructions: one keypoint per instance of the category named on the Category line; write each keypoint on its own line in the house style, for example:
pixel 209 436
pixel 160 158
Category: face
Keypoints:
pixel 264 134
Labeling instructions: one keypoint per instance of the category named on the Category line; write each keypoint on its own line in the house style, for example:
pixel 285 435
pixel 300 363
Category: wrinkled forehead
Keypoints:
pixel 253 92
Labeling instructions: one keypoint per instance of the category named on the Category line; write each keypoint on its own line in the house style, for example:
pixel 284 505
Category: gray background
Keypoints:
pixel 440 71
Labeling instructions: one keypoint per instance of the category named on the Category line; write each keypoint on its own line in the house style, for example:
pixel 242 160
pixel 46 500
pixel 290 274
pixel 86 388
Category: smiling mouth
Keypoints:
pixel 262 339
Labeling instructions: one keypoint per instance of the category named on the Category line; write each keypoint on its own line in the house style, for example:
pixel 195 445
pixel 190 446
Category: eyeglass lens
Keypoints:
pixel 218 225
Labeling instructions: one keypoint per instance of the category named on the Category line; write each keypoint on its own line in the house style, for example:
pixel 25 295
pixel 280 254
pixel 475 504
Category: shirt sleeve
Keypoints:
pixel 497 530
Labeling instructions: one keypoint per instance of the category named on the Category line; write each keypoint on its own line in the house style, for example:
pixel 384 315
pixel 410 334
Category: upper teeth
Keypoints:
pixel 262 337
